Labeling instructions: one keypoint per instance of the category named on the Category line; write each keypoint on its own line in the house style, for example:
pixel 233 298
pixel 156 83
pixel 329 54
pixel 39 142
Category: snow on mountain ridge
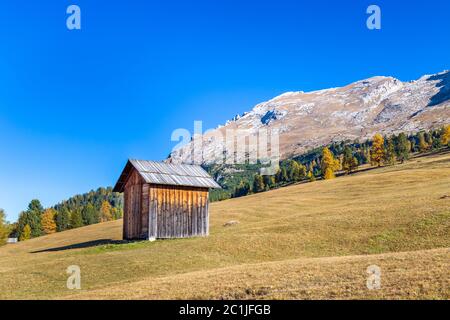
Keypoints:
pixel 358 110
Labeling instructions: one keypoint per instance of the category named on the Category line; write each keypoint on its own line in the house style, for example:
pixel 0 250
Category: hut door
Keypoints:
pixel 135 208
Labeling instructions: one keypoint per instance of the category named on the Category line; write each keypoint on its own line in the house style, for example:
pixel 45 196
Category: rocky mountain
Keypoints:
pixel 305 120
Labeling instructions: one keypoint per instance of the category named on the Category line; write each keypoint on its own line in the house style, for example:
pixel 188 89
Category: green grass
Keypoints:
pixel 425 231
pixel 116 247
pixel 309 240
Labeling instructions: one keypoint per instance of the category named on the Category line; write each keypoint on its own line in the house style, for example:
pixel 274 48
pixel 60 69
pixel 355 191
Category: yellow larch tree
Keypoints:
pixel 445 137
pixel 48 221
pixel 26 233
pixel 377 152
pixel 329 164
pixel 105 211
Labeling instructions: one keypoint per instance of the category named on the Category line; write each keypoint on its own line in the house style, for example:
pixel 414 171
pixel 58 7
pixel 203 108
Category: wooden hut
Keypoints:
pixel 164 200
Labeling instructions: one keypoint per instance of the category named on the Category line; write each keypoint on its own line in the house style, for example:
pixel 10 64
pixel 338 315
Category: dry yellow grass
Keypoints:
pixel 405 275
pixel 311 240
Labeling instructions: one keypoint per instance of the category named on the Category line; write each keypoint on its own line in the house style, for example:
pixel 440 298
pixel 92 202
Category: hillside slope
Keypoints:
pixel 408 275
pixel 310 240
pixel 306 120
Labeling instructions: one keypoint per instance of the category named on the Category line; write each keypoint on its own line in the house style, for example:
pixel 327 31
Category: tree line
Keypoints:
pixel 341 157
pixel 81 210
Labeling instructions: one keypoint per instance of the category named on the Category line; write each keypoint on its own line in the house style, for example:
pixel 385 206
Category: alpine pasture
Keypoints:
pixel 306 241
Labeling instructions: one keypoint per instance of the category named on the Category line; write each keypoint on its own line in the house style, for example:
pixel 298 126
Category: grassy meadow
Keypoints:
pixel 306 241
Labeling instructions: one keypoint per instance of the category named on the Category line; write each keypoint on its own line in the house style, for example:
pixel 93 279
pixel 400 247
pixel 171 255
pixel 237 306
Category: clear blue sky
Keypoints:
pixel 74 105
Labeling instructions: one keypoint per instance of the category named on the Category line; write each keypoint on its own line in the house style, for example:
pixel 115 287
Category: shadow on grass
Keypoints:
pixel 88 244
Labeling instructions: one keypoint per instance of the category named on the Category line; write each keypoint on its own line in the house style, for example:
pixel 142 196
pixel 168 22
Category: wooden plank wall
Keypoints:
pixel 145 206
pixel 178 212
pixel 134 199
pixel 153 223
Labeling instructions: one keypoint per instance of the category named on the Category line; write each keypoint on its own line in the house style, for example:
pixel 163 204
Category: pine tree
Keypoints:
pixel 90 215
pixel 32 216
pixel 413 145
pixel 284 175
pixel 402 148
pixel 390 152
pixel 281 175
pixel 62 220
pixel 105 211
pixel 35 205
pixel 329 164
pixel 242 189
pixel 36 210
pixel 377 151
pixel 25 233
pixel 423 145
pixel 258 183
pixel 437 144
pixel 367 155
pixel 349 162
pixel 303 171
pixel 428 138
pixel 269 182
pixel 296 171
pixel 76 220
pixel 311 176
pixel 278 176
pixel 48 221
pixel 354 164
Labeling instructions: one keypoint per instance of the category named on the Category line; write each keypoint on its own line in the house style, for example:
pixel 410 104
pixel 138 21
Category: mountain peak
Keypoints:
pixel 355 111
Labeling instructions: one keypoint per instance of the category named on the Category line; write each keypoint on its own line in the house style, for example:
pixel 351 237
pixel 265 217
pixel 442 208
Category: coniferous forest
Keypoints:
pixel 327 162
pixel 81 210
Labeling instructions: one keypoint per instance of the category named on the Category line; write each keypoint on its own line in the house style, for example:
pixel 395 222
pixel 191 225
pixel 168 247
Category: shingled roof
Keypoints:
pixel 167 174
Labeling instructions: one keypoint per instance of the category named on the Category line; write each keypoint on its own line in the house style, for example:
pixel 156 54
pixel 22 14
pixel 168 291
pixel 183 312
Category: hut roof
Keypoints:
pixel 167 174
